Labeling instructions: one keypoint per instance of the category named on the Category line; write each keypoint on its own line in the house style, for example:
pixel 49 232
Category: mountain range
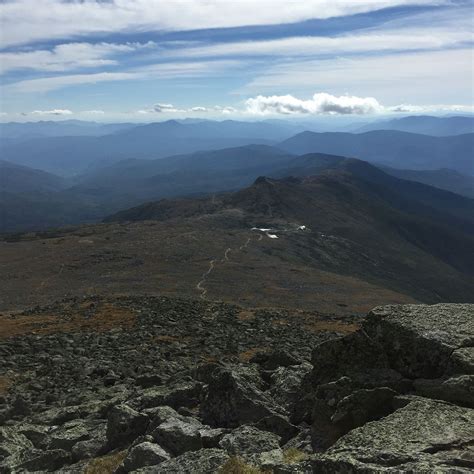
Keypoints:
pixel 32 198
pixel 77 153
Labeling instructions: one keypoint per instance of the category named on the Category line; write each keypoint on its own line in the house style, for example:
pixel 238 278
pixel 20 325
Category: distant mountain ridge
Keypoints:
pixel 131 182
pixel 390 148
pixel 424 124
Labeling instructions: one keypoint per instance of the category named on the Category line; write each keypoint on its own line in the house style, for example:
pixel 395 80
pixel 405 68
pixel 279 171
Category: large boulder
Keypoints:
pixel 204 461
pixel 142 455
pixel 183 394
pixel 258 448
pixel 419 340
pixel 234 397
pixel 124 424
pixel 179 435
pixel 423 436
pixel 249 440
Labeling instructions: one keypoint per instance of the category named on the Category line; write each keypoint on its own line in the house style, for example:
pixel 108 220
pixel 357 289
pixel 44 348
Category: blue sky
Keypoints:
pixel 148 60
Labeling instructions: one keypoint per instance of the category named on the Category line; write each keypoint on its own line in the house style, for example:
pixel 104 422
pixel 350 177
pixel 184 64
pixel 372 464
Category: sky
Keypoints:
pixel 151 60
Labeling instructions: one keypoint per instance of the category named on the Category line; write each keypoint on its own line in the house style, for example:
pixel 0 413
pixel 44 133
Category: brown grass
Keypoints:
pixel 333 326
pixel 5 384
pixel 293 455
pixel 105 464
pixel 248 354
pixel 102 318
pixel 236 465
pixel 246 315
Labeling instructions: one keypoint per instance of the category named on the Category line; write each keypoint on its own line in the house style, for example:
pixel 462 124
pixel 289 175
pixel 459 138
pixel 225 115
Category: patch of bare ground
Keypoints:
pixel 102 317
pixel 105 464
pixel 249 353
pixel 5 383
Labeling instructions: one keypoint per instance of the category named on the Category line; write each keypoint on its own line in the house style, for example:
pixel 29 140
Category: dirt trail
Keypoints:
pixel 212 264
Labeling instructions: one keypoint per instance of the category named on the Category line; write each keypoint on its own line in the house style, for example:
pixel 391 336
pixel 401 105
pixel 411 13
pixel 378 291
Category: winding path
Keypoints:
pixel 212 264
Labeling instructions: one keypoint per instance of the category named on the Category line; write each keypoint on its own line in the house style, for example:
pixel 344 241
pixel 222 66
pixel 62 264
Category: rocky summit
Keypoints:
pixel 167 385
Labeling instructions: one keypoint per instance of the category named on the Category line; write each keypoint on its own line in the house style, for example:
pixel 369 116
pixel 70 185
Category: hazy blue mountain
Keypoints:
pixel 424 124
pixel 25 130
pixel 391 148
pixel 72 155
pixel 19 179
pixel 446 179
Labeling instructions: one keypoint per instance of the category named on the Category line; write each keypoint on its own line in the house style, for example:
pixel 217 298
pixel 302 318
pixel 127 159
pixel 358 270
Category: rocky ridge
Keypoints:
pixel 182 386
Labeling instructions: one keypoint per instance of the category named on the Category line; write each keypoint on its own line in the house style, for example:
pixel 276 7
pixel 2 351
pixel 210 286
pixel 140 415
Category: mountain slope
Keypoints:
pixel 358 226
pixel 446 179
pixel 16 178
pixel 391 148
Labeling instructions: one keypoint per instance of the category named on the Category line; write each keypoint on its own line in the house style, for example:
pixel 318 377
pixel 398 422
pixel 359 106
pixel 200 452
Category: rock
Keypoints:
pixel 286 385
pixel 233 399
pixel 183 394
pixel 159 415
pixel 301 442
pixel 179 435
pixel 204 461
pixel 90 448
pixel 461 361
pixel 211 437
pixel 418 340
pixel 14 447
pixel 149 380
pixel 124 425
pixel 72 432
pixel 279 425
pixel 274 359
pixel 363 406
pixel 351 355
pixel 141 455
pixel 423 436
pixel 46 461
pixel 257 448
pixel 459 390
pixel 249 440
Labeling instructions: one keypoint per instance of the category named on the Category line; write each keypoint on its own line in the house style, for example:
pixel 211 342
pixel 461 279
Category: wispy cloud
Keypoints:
pixel 417 78
pixel 403 40
pixel 25 21
pixel 46 84
pixel 66 57
pixel 168 70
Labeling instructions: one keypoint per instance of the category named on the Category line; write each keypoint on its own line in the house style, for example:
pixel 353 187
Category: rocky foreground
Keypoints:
pixel 179 386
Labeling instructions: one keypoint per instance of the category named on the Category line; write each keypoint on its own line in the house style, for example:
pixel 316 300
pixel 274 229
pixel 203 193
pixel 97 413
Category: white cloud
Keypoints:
pixel 24 21
pixel 320 103
pixel 417 109
pixel 226 110
pixel 93 112
pixel 170 108
pixel 160 108
pixel 66 57
pixel 51 112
